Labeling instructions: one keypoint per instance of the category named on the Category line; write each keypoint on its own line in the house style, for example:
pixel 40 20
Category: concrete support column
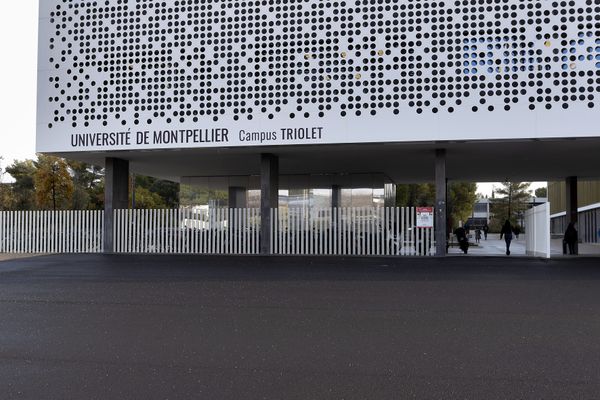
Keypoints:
pixel 269 197
pixel 116 196
pixel 571 203
pixel 440 202
pixel 336 196
pixel 237 197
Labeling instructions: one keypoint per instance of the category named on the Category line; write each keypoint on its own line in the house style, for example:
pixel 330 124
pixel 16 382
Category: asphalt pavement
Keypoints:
pixel 189 327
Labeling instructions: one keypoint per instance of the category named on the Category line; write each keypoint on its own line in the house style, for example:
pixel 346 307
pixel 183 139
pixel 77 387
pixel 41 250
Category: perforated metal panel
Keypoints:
pixel 307 71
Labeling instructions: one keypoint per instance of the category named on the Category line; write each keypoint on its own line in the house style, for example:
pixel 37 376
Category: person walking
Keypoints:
pixel 486 229
pixel 477 235
pixel 507 232
pixel 570 238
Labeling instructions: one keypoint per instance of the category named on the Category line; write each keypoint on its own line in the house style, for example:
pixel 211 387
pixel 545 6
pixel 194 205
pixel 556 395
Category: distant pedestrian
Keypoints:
pixel 477 235
pixel 517 231
pixel 507 232
pixel 486 229
pixel 570 238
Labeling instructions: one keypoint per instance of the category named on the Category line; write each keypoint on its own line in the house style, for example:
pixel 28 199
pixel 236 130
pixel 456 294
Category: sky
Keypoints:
pixel 18 77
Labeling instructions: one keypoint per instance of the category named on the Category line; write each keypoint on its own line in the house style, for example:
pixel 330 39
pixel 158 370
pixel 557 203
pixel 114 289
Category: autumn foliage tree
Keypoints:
pixel 53 183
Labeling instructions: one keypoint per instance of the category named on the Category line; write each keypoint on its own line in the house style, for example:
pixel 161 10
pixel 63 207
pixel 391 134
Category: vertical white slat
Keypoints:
pixel 153 230
pixel 300 247
pixel 36 232
pixel 343 222
pixel 118 237
pixel 370 233
pixel 342 229
pixel 413 248
pixel 72 221
pixel 335 231
pixel 45 236
pixel 25 231
pixel 75 228
pixel 29 231
pixel 339 229
pixel 17 235
pixel 72 230
pixel 330 231
pixel 245 227
pixel 124 230
pixel 368 222
pixel 101 230
pixel 280 227
pixel 20 232
pixel 95 228
pixel 286 236
pixel 147 230
pixel 204 241
pixel 135 213
pixel 166 232
pixel 79 231
pixel 2 230
pixel 180 231
pixel 234 237
pixel 91 231
pixel 67 231
pixel 239 233
pixel 194 232
pixel 82 231
pixel 11 231
pixel 380 228
pixel 211 237
pixel 92 240
pixel 160 231
pixel 220 230
pixel 298 230
pixel 83 237
pixel 219 249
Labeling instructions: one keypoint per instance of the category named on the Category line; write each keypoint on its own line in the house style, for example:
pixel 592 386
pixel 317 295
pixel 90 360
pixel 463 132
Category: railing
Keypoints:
pixel 218 231
pixel 51 231
pixel 301 231
pixel 389 231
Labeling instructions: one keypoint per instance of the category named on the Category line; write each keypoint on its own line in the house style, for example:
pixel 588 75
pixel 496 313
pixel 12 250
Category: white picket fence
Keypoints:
pixel 389 231
pixel 294 231
pixel 187 231
pixel 31 232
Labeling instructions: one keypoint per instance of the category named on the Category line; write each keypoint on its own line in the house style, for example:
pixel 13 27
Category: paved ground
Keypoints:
pixel 494 246
pixel 150 327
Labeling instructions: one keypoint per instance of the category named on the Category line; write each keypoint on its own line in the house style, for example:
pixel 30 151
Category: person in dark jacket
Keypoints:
pixel 461 236
pixel 571 238
pixel 507 232
pixel 486 229
pixel 517 231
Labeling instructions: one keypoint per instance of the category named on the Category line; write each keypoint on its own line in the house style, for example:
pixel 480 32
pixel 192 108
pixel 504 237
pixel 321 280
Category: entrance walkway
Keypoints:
pixel 493 246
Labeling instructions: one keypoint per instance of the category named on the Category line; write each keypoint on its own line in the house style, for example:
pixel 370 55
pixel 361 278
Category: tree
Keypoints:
pixel 87 185
pixel 512 200
pixel 6 195
pixel 53 183
pixel 541 192
pixel 166 190
pixel 23 188
pixel 460 200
